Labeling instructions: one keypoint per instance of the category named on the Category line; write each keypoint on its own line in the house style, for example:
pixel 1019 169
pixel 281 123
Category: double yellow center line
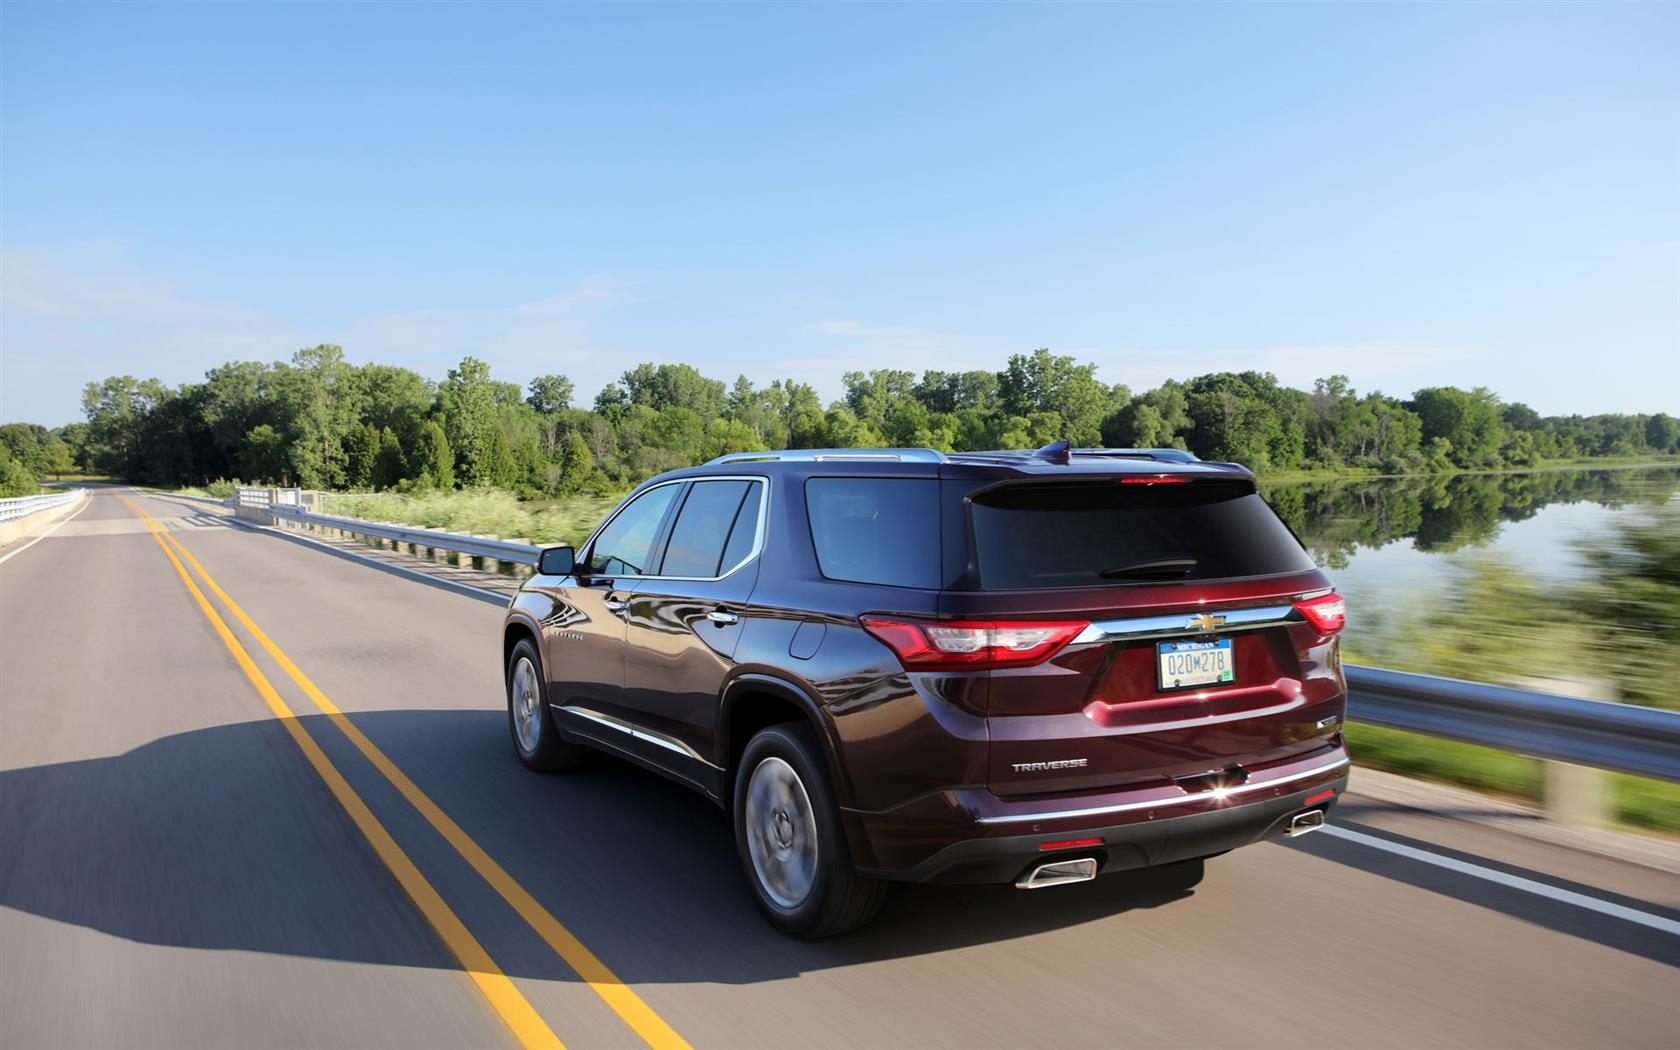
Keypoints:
pixel 528 1027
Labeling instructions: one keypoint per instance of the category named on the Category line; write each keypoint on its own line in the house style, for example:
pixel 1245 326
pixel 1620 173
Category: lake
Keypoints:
pixel 1395 543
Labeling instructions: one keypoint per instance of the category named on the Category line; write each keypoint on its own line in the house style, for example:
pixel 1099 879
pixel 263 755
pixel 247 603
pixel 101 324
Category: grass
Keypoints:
pixel 1640 803
pixel 479 512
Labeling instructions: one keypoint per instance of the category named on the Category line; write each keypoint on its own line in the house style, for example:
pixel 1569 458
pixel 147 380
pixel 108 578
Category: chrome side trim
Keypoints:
pixel 1183 624
pixel 671 744
pixel 1201 796
pixel 637 732
pixel 598 718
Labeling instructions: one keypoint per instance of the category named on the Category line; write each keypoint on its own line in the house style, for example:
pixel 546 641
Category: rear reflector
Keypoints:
pixel 1320 797
pixel 1068 844
pixel 963 645
pixel 1327 613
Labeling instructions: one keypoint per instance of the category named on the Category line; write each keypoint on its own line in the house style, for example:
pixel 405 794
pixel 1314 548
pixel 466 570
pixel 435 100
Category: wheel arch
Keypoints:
pixel 517 628
pixel 753 701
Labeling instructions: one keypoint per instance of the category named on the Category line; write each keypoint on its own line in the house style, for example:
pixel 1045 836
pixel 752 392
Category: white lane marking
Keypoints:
pixel 1539 889
pixel 87 501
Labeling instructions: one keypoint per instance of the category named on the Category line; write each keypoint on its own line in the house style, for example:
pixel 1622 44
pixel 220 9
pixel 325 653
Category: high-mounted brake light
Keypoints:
pixel 1327 613
pixel 966 645
pixel 1164 479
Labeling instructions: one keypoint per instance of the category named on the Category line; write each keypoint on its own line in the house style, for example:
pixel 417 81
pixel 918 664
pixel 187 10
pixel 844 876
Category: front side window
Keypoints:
pixel 876 530
pixel 624 546
pixel 714 521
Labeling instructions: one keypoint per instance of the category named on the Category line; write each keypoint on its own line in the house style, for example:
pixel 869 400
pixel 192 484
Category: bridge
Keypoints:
pixel 256 790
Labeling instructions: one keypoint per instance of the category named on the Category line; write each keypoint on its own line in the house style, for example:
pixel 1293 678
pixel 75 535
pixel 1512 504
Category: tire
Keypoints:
pixel 788 835
pixel 536 739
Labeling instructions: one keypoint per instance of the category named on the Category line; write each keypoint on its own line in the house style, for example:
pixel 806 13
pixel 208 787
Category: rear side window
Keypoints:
pixel 876 530
pixel 708 523
pixel 1100 533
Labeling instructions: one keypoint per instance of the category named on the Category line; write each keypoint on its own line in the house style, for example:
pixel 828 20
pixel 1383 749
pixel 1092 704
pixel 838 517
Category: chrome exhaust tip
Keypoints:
pixel 1301 823
pixel 1058 873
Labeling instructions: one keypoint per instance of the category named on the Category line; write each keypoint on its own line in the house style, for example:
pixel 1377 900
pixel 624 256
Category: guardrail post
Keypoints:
pixel 1578 795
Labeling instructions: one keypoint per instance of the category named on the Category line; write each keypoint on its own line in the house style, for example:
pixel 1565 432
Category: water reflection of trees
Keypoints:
pixel 1440 513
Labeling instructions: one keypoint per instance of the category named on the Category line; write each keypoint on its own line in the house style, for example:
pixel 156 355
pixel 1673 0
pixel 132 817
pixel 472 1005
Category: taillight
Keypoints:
pixel 1327 613
pixel 962 645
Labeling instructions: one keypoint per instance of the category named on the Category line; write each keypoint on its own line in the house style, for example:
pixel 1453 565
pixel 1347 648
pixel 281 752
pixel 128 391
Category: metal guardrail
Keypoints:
pixel 473 546
pixel 22 506
pixel 1644 741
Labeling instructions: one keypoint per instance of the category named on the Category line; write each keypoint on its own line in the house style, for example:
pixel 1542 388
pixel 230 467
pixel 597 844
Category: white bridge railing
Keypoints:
pixel 21 506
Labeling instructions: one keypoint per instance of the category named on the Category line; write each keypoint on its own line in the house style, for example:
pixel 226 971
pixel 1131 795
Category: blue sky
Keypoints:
pixel 1411 195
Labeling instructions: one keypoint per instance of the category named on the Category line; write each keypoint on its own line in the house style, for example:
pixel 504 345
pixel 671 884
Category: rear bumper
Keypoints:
pixel 972 836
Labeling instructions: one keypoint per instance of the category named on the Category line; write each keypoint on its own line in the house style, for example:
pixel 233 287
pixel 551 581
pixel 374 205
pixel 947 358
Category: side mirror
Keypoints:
pixel 556 561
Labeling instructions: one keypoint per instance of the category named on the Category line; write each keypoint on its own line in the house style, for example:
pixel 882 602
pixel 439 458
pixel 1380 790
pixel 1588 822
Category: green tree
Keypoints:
pixel 388 466
pixel 578 463
pixel 432 463
pixel 117 409
pixel 467 401
pixel 362 455
pixel 1468 420
pixel 263 455
pixel 16 479
pixel 1042 382
pixel 662 387
pixel 550 395
pixel 321 397
pixel 728 435
pixel 1662 433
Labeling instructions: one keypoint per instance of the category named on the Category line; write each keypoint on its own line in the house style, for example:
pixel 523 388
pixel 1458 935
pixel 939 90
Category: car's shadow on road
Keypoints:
pixel 222 838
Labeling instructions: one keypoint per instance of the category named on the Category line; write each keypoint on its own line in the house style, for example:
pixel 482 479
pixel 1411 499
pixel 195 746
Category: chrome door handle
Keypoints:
pixel 615 604
pixel 723 617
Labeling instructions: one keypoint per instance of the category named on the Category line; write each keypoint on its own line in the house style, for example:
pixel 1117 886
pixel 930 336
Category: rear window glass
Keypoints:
pixel 704 525
pixel 1096 534
pixel 876 530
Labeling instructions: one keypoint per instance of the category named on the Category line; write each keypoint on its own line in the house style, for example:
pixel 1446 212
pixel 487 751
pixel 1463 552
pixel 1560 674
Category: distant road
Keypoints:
pixel 179 869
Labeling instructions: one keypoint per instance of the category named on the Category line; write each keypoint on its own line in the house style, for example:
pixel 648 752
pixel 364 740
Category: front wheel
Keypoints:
pixel 787 831
pixel 535 736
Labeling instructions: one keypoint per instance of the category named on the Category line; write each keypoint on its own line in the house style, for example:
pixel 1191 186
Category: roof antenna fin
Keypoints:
pixel 1056 452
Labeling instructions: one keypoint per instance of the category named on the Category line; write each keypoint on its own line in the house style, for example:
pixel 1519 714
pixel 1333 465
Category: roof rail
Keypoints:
pixel 1167 455
pixel 1060 453
pixel 898 455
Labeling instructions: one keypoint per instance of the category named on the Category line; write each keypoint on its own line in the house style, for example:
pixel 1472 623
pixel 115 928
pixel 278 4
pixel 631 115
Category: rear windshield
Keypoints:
pixel 1102 533
pixel 876 530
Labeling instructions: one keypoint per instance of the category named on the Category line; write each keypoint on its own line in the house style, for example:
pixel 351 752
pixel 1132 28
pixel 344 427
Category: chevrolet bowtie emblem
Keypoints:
pixel 1205 621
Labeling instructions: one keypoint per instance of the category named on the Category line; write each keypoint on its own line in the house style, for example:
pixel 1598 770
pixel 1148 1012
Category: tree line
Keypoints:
pixel 322 422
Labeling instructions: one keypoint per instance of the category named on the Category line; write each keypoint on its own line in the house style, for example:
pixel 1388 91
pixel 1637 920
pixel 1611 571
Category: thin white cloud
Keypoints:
pixel 842 346
pixel 70 317
pixel 1391 367
pixel 598 290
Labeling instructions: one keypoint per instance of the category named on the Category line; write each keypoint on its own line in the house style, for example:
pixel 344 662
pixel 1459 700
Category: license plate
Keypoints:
pixel 1180 665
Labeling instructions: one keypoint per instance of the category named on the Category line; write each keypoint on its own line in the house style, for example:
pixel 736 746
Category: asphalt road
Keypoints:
pixel 175 870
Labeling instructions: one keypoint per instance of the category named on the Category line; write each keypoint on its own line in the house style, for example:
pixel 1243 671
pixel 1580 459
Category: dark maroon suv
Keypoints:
pixel 1028 667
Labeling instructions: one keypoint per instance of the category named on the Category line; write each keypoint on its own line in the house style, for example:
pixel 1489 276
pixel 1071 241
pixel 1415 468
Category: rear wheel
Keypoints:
pixel 787 832
pixel 535 736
